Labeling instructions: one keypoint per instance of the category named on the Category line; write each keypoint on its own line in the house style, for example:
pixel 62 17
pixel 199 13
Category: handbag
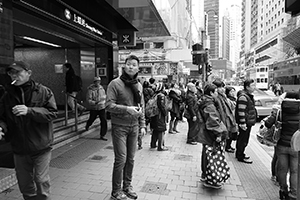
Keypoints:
pixel 270 136
pixel 186 113
pixel 217 167
pixel 169 103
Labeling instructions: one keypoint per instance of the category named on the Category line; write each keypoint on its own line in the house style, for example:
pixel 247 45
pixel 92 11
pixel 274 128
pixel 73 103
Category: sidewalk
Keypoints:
pixel 82 171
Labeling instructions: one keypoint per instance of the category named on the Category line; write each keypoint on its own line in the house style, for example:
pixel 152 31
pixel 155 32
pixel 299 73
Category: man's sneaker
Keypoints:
pixel 130 193
pixel 215 186
pixel 119 196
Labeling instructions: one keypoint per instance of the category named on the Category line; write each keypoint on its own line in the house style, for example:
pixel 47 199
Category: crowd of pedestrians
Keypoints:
pixel 216 115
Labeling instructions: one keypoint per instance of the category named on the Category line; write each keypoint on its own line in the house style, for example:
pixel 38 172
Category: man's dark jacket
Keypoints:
pixel 31 133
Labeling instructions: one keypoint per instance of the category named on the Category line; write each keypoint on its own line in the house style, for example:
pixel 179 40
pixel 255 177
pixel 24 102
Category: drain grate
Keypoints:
pixel 96 158
pixel 183 157
pixel 155 188
pixel 109 147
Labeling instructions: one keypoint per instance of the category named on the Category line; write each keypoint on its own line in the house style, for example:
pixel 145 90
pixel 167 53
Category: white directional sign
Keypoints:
pixel 198 52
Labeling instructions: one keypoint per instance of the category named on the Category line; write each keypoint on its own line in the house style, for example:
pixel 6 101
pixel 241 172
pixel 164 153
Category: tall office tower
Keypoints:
pixel 235 34
pixel 254 23
pixel 246 31
pixel 211 7
pixel 226 36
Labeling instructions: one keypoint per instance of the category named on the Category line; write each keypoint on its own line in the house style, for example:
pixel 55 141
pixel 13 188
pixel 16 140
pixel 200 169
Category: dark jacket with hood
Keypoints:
pixel 191 104
pixel 227 114
pixel 158 122
pixel 213 127
pixel 32 133
pixel 290 117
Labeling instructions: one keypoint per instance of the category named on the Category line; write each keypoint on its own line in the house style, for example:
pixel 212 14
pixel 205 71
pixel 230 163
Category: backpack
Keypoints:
pixel 77 83
pixel 151 108
pixel 270 136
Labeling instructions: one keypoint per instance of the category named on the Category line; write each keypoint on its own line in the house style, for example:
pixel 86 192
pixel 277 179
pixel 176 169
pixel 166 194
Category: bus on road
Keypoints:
pixel 261 76
pixel 287 73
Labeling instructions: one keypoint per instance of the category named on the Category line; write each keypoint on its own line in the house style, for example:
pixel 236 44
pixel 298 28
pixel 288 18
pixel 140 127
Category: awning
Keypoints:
pixel 143 15
pixel 293 38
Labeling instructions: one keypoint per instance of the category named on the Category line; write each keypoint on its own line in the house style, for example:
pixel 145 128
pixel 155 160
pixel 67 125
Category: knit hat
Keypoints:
pixel 190 85
pixel 159 86
pixel 218 83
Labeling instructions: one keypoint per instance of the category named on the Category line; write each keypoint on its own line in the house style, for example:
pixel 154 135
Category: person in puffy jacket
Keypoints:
pixel 26 112
pixel 287 159
pixel 158 123
pixel 96 97
pixel 246 116
pixel 214 130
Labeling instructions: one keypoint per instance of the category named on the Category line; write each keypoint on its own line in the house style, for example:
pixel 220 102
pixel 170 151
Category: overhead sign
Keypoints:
pixel 198 52
pixel 126 38
pixel 81 21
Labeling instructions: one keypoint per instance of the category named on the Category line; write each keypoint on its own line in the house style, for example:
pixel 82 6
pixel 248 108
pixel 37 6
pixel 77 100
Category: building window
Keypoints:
pixel 278 13
pixel 278 23
pixel 275 16
pixel 275 26
pixel 282 20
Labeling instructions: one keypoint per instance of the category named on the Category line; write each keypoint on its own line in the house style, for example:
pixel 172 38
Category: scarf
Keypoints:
pixel 132 83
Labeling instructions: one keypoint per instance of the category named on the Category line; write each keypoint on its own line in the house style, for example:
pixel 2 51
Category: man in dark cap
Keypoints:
pixel 26 111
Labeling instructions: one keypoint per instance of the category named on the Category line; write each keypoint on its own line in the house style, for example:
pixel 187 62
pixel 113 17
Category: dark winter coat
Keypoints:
pixel 191 104
pixel 158 122
pixel 33 132
pixel 176 102
pixel 70 74
pixel 148 93
pixel 227 113
pixel 290 117
pixel 213 126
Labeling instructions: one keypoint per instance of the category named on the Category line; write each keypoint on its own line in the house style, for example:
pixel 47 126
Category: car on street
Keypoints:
pixel 263 101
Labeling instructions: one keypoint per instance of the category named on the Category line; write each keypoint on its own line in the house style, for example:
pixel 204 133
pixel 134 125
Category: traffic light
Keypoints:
pixel 200 69
pixel 208 70
pixel 197 58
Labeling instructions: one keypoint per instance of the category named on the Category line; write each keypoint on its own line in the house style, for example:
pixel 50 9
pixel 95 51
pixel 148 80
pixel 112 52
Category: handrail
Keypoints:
pixel 66 110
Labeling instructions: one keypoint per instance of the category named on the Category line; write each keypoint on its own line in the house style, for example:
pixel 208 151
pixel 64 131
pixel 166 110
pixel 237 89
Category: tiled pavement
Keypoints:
pixel 82 171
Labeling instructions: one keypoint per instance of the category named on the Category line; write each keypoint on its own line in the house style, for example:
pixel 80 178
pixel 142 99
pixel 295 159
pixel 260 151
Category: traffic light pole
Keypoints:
pixel 203 74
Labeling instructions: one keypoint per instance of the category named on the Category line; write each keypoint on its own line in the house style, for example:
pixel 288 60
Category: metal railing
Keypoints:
pixel 66 110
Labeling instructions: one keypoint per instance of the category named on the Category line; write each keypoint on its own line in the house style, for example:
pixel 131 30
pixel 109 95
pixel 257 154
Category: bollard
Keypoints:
pixel 295 144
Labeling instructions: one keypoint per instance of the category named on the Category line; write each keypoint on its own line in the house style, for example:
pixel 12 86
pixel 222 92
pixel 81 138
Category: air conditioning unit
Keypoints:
pixel 148 45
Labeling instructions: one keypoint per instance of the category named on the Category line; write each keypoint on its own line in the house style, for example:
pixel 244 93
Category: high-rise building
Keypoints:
pixel 235 33
pixel 226 36
pixel 211 7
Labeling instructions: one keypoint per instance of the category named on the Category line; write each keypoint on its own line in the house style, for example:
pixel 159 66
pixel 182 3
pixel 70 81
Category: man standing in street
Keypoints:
pixel 125 102
pixel 26 113
pixel 96 97
pixel 246 118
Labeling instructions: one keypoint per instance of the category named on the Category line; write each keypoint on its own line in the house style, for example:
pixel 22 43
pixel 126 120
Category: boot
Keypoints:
pixel 171 123
pixel 175 126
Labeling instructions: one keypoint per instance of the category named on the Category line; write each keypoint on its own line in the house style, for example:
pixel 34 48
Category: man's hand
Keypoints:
pixel 243 126
pixel 1 133
pixel 143 131
pixel 219 139
pixel 19 110
pixel 134 110
pixel 194 118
